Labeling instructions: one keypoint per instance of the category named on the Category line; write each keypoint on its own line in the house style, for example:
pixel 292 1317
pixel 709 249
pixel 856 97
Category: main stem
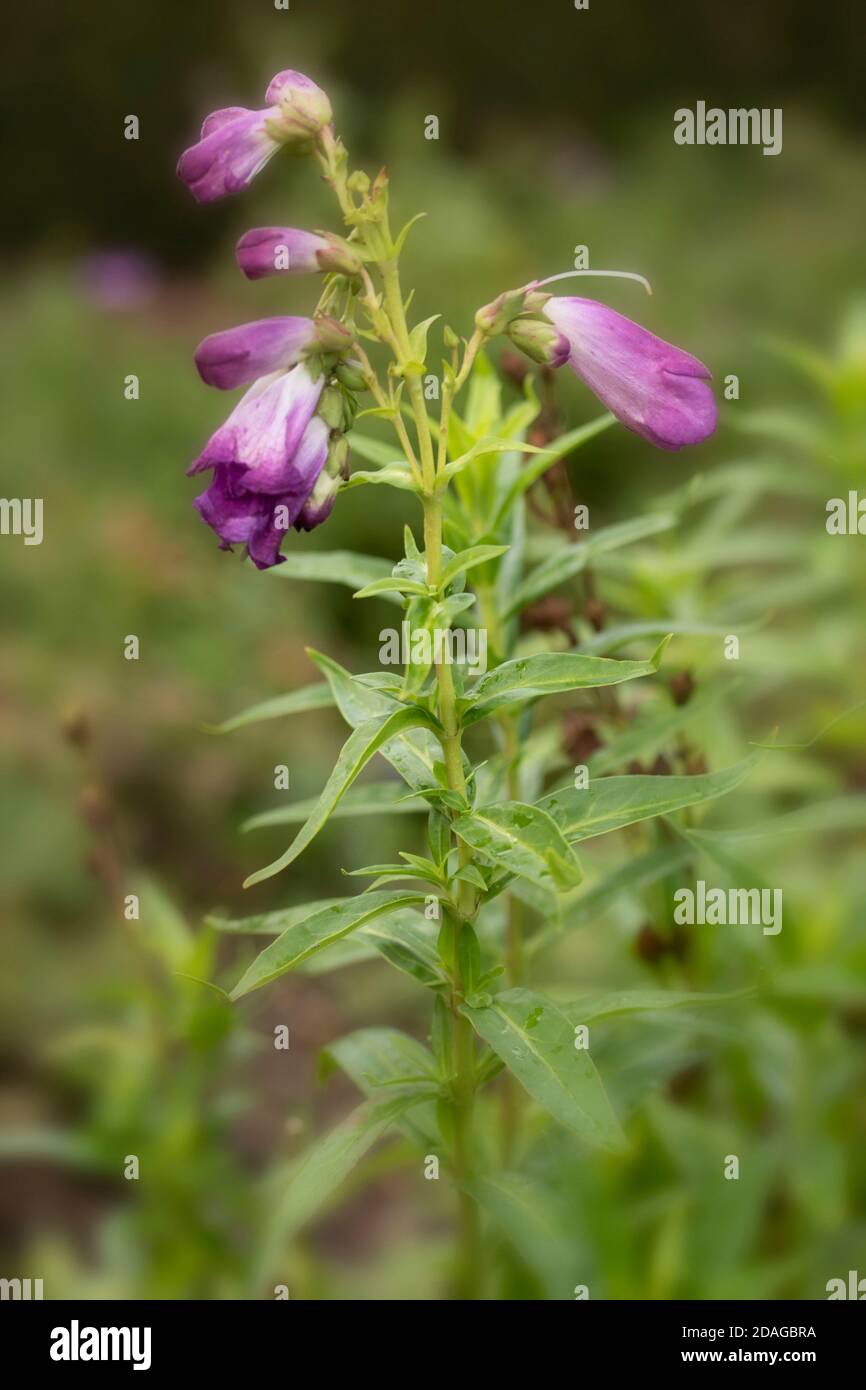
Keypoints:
pixel 461 1035
pixel 378 239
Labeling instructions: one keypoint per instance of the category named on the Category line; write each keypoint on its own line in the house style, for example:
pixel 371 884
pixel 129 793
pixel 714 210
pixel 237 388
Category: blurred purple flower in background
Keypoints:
pixel 119 279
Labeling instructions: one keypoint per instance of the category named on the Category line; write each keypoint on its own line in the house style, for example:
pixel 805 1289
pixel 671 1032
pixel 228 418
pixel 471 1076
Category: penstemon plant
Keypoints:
pixel 500 869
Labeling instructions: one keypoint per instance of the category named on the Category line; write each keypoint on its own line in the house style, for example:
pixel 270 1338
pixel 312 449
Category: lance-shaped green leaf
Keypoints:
pixel 571 559
pixel 373 450
pixel 612 802
pixel 539 465
pixel 467 560
pixel 396 474
pixel 552 673
pixel 617 1003
pixel 412 753
pixel 392 585
pixel 356 752
pixel 536 1222
pixel 377 1058
pixel 536 1042
pixel 303 939
pixel 298 1192
pixel 333 567
pixel 523 840
pixel 271 923
pixel 293 702
pixel 372 799
pixel 647 733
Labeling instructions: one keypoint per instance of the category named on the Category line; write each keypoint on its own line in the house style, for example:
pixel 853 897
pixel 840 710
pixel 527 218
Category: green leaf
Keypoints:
pixel 377 1057
pixel 534 1221
pixel 524 840
pixel 294 702
pixel 476 555
pixel 373 450
pixel 392 585
pixel 271 923
pixel 531 677
pixel 571 559
pixel 484 447
pixel 401 939
pixel 397 474
pixel 315 933
pixel 536 1041
pixel 539 465
pixel 612 802
pixel 311 1181
pixel 630 1001
pixel 418 339
pixel 413 753
pixel 372 799
pixel 333 567
pixel 356 752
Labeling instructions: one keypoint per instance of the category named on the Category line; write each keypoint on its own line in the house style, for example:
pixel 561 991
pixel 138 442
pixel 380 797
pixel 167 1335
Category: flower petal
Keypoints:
pixel 235 145
pixel 279 251
pixel 252 350
pixel 653 387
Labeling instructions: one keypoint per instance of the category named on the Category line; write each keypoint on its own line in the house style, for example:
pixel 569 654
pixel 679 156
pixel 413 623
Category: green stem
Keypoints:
pixel 462 1039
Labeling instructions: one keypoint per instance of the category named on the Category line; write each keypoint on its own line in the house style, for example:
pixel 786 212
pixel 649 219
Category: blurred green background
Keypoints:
pixel 556 129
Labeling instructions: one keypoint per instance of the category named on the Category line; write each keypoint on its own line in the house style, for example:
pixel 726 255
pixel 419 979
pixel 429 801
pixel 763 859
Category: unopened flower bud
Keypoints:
pixel 495 317
pixel 351 376
pixel 331 407
pixel 303 108
pixel 332 336
pixel 540 341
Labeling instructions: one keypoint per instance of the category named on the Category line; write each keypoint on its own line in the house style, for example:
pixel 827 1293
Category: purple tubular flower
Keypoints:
pixel 270 440
pixel 236 143
pixel 280 251
pixel 654 388
pixel 266 461
pixel 240 355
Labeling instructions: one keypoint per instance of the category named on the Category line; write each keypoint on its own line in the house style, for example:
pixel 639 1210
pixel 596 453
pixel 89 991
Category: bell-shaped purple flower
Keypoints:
pixel 236 142
pixel 654 388
pixel 267 461
pixel 268 441
pixel 289 251
pixel 240 355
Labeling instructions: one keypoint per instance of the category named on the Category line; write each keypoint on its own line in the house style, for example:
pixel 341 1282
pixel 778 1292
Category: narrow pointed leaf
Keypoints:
pixel 315 933
pixel 412 753
pixel 612 802
pixel 293 702
pixel 333 567
pixel 372 799
pixel 357 751
pixel 468 559
pixel 535 1040
pixel 571 559
pixel 524 840
pixel 530 678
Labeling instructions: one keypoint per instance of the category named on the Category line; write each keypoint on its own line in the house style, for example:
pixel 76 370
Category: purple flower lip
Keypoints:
pixel 267 460
pixel 240 355
pixel 267 438
pixel 235 145
pixel 652 387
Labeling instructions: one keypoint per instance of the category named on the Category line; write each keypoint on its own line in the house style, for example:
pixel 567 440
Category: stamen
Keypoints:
pixel 614 274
